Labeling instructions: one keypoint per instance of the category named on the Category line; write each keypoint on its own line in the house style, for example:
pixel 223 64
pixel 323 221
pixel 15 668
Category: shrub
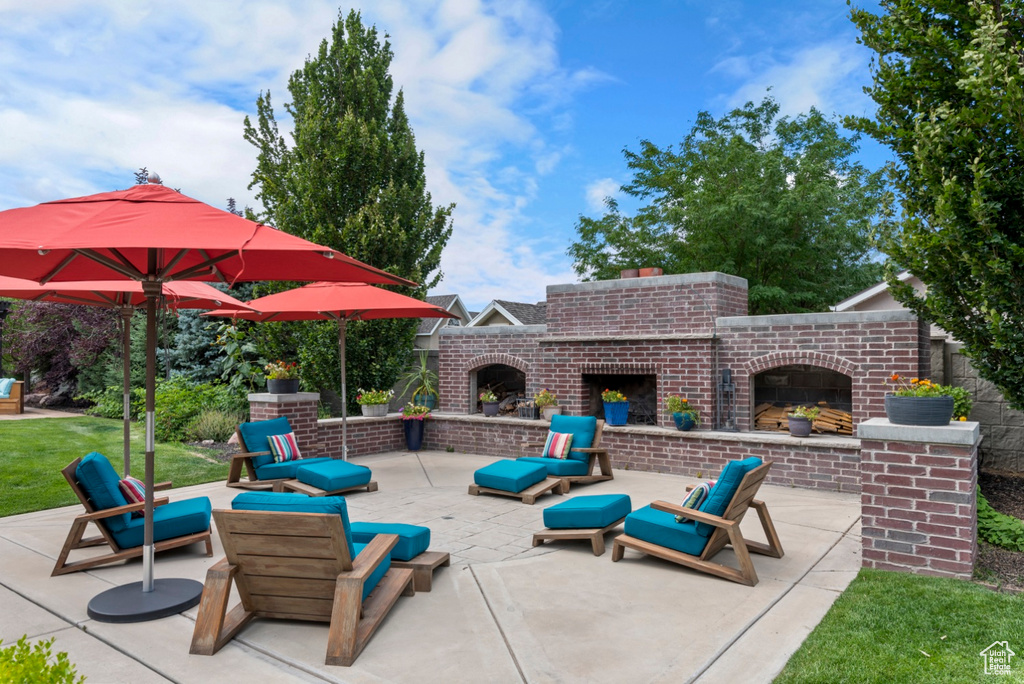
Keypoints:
pixel 109 403
pixel 179 402
pixel 24 663
pixel 997 528
pixel 214 424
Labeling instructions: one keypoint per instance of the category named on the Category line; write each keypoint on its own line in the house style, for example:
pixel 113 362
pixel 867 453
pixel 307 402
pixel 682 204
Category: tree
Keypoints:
pixel 352 180
pixel 948 84
pixel 777 201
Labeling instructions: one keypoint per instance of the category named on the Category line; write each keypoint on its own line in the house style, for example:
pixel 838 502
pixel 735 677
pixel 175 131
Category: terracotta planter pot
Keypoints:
pixel 648 272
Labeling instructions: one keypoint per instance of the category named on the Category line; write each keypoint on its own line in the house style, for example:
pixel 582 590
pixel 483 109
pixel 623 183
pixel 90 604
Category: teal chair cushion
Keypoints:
pixel 510 476
pixel 5 387
pixel 176 519
pixel 375 576
pixel 333 474
pixel 582 428
pixel 290 502
pixel 725 488
pixel 98 480
pixel 559 467
pixel 658 527
pixel 286 470
pixel 412 539
pixel 582 512
pixel 255 436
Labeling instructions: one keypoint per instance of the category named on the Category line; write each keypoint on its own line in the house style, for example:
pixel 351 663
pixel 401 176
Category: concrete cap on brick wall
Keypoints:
pixel 819 318
pixel 298 397
pixel 959 434
pixel 677 279
pixel 495 330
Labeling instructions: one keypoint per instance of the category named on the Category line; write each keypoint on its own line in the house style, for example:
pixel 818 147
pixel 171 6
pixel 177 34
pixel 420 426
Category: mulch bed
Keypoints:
pixel 1005 493
pixel 222 451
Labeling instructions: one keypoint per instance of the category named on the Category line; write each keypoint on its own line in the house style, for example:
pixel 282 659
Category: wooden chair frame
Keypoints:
pixel 244 459
pixel 727 531
pixel 597 455
pixel 77 540
pixel 14 403
pixel 296 566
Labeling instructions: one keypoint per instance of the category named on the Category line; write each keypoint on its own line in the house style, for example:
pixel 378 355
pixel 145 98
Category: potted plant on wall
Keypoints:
pixel 423 383
pixel 282 378
pixel 922 402
pixel 801 419
pixel 375 402
pixel 490 402
pixel 547 402
pixel 414 420
pixel 616 407
pixel 684 415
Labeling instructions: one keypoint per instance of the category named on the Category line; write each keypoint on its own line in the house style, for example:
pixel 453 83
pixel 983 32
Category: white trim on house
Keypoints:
pixel 438 322
pixel 869 293
pixel 488 310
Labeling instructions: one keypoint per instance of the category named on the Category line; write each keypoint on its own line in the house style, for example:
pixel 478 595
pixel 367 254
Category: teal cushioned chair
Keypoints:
pixel 255 456
pixel 95 482
pixel 706 531
pixel 585 451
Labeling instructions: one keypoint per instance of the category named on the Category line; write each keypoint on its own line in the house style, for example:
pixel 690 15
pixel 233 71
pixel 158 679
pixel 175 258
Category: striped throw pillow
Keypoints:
pixel 695 498
pixel 134 491
pixel 558 445
pixel 284 447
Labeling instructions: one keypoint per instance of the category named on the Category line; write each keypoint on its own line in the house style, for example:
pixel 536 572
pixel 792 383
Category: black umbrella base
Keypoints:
pixel 128 603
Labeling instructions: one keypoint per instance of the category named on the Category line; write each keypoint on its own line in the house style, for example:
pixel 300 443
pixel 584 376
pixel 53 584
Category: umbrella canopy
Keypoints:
pixel 124 295
pixel 156 235
pixel 340 302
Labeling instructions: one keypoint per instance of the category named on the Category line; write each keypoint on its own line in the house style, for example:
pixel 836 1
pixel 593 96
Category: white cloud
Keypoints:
pixel 598 190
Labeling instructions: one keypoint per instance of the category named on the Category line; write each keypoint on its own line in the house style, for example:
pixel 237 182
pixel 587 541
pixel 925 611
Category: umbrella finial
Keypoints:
pixel 154 178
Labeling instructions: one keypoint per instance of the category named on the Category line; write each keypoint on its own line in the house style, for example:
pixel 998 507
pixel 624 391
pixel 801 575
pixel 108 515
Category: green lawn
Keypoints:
pixel 895 627
pixel 32 453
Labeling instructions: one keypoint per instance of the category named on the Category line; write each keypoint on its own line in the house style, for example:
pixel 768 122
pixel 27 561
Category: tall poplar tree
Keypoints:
pixel 351 179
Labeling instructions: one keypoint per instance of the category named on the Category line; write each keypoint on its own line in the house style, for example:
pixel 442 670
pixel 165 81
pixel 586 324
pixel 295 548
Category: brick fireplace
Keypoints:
pixel 676 335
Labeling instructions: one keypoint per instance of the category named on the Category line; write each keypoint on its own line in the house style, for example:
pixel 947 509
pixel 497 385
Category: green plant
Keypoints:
pixel 109 403
pixel 678 404
pixel 374 397
pixel 808 412
pixel 241 361
pixel 413 412
pixel 24 663
pixel 488 396
pixel 450 449
pixel 997 528
pixel 421 380
pixel 612 396
pixel 914 387
pixel 179 401
pixel 279 370
pixel 214 424
pixel 545 398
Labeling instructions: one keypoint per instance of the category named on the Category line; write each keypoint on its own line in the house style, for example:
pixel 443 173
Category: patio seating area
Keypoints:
pixel 504 611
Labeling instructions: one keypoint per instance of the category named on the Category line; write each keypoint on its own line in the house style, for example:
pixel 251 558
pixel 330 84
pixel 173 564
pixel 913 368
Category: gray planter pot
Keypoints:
pixel 374 410
pixel 799 427
pixel 490 408
pixel 549 411
pixel 283 386
pixel 918 410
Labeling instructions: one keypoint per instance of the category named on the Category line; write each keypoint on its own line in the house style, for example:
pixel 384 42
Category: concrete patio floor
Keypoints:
pixel 503 612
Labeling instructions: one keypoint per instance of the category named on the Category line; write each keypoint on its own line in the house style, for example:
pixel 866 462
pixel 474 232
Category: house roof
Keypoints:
pixel 850 302
pixel 518 313
pixel 448 301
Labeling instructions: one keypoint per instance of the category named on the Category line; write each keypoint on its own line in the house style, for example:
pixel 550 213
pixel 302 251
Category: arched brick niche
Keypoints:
pixel 504 373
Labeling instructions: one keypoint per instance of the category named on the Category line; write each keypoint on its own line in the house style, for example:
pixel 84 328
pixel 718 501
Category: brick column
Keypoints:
pixel 299 408
pixel 919 497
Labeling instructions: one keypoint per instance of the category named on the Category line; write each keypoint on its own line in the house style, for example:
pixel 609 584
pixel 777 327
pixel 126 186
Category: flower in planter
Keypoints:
pixel 374 397
pixel 613 396
pixel 545 398
pixel 413 412
pixel 279 370
pixel 808 412
pixel 678 404
pixel 915 387
pixel 488 396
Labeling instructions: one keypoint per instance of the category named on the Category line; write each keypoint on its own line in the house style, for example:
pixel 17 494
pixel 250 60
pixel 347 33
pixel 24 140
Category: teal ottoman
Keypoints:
pixel 524 481
pixel 584 517
pixel 328 478
pixel 410 551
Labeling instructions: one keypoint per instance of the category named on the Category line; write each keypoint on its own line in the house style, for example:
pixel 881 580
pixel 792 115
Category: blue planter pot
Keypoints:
pixel 428 400
pixel 684 421
pixel 414 434
pixel 616 412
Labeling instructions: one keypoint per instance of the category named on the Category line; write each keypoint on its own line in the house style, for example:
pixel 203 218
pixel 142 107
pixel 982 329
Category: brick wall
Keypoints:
pixel 918 497
pixel 365 435
pixel 300 409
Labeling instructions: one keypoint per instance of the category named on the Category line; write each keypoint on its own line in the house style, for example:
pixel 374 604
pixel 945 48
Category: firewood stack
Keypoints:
pixel 775 417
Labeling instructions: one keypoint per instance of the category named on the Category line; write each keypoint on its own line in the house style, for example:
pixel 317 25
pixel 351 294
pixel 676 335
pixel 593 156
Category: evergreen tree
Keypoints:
pixel 353 180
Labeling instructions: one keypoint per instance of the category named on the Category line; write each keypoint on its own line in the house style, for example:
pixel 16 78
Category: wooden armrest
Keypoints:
pixel 590 450
pixel 118 510
pixel 249 454
pixel 160 486
pixel 367 561
pixel 692 514
pixel 532 444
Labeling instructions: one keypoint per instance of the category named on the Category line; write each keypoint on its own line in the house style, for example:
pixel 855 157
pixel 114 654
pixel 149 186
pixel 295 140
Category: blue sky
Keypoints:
pixel 522 107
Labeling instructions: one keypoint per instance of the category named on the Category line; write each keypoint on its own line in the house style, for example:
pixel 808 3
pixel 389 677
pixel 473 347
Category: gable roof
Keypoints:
pixel 452 303
pixel 873 291
pixel 518 313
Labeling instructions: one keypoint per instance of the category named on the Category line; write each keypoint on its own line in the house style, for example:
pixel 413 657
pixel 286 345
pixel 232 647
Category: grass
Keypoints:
pixel 895 627
pixel 32 453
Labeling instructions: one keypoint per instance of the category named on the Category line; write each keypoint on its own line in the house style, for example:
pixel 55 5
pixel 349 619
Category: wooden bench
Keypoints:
pixel 15 403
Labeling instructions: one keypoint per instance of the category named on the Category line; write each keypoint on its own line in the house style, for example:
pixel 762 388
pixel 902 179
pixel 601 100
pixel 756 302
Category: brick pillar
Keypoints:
pixel 299 408
pixel 919 497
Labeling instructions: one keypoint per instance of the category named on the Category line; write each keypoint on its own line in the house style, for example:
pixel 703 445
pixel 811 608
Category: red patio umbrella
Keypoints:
pixel 125 296
pixel 156 235
pixel 341 302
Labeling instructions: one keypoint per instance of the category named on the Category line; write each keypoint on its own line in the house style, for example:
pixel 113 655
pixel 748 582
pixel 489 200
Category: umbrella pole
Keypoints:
pixel 342 323
pixel 152 291
pixel 126 344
